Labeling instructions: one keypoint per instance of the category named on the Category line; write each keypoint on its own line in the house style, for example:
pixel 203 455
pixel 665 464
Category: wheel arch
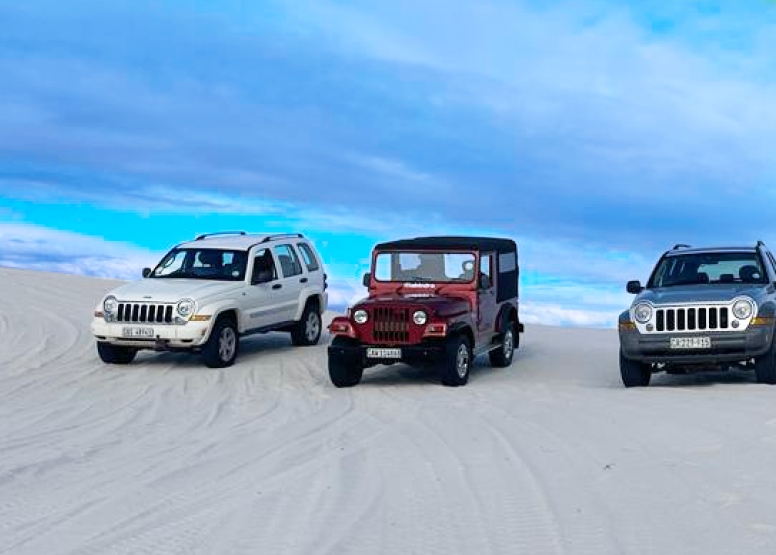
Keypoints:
pixel 311 296
pixel 508 313
pixel 465 329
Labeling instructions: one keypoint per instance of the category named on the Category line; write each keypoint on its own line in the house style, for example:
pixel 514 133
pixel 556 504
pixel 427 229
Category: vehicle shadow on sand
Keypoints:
pixel 703 379
pixel 404 375
pixel 255 349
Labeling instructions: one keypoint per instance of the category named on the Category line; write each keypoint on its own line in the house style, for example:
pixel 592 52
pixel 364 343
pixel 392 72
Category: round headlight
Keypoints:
pixel 642 313
pixel 110 305
pixel 186 307
pixel 743 309
pixel 420 317
pixel 360 316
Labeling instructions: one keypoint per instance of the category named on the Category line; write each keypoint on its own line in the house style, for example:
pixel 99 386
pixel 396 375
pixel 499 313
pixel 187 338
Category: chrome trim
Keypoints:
pixel 651 327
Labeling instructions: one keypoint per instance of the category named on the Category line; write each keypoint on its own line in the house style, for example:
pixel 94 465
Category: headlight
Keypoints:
pixel 110 305
pixel 743 309
pixel 360 316
pixel 642 313
pixel 186 307
pixel 420 317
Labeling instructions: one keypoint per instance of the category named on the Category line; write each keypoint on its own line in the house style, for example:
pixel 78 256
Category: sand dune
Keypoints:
pixel 549 456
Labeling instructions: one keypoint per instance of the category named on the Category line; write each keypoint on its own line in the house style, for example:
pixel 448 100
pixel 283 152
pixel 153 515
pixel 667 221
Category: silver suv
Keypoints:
pixel 709 308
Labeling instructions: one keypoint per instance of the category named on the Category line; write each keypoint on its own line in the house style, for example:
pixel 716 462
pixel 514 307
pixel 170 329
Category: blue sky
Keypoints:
pixel 596 133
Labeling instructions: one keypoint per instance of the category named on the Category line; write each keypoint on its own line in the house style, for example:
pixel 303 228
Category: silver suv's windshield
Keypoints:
pixel 212 264
pixel 709 268
pixel 431 267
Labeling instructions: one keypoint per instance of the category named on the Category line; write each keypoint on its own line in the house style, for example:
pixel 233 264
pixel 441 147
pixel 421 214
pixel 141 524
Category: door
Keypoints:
pixel 487 306
pixel 292 280
pixel 264 301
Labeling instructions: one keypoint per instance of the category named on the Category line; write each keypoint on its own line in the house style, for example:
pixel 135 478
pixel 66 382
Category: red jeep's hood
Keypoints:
pixel 436 305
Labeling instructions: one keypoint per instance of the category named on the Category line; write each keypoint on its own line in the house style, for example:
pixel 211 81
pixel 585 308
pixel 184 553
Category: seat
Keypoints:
pixel 749 274
pixel 727 278
pixel 703 278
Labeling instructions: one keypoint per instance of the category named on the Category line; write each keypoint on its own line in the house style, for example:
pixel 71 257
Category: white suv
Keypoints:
pixel 207 293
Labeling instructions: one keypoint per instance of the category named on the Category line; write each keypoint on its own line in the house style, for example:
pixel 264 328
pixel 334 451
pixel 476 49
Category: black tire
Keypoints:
pixel 634 373
pixel 307 331
pixel 115 354
pixel 222 346
pixel 344 371
pixel 502 357
pixel 458 350
pixel 765 367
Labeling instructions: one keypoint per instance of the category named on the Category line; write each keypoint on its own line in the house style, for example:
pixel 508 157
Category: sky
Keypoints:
pixel 596 133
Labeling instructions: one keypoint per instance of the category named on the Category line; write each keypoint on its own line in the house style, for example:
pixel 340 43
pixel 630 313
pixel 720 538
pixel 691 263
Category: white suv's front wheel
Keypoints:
pixel 221 348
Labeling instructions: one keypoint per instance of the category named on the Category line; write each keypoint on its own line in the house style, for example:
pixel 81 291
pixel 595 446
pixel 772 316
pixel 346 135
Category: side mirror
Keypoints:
pixel 146 272
pixel 367 280
pixel 262 276
pixel 484 281
pixel 634 287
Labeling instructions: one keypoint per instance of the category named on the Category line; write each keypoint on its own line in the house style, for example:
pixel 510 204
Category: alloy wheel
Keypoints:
pixel 227 344
pixel 462 360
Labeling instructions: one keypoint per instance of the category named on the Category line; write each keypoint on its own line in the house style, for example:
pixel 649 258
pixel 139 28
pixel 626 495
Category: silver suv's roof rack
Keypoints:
pixel 760 244
pixel 269 238
pixel 206 235
pixel 681 246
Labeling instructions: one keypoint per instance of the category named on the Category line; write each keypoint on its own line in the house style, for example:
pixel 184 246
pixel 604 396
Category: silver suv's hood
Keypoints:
pixel 699 293
pixel 173 290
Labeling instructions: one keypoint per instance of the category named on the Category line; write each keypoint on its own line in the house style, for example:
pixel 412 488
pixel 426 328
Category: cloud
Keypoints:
pixel 556 122
pixel 39 248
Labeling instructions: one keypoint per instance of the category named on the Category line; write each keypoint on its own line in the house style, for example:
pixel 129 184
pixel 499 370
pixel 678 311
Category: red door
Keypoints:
pixel 487 306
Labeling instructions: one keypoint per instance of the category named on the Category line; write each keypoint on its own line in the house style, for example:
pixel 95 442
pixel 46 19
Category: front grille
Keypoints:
pixel 145 313
pixel 712 318
pixel 391 325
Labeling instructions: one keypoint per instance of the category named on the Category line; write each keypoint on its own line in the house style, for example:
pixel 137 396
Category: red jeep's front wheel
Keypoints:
pixel 456 362
pixel 344 371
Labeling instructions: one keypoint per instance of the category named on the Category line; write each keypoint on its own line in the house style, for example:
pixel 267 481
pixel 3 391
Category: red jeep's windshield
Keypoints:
pixel 425 267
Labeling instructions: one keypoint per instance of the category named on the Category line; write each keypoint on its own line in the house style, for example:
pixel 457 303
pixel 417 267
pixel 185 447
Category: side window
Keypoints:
pixel 289 262
pixel 309 257
pixel 264 267
pixel 486 269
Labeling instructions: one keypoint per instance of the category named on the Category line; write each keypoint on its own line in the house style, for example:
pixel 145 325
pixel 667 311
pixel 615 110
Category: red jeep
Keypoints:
pixel 433 301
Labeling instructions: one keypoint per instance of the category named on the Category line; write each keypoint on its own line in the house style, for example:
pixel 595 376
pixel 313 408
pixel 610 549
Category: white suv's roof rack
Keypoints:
pixel 206 235
pixel 275 237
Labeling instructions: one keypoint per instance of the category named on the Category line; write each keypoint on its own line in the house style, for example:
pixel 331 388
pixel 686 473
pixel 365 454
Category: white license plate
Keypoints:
pixel 137 332
pixel 375 352
pixel 691 342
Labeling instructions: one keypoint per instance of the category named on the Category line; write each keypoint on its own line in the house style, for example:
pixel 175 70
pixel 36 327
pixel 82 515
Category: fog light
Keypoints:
pixel 735 324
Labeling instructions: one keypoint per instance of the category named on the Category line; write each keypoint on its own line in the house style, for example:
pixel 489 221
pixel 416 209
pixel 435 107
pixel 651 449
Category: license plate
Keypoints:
pixel 374 352
pixel 691 343
pixel 134 331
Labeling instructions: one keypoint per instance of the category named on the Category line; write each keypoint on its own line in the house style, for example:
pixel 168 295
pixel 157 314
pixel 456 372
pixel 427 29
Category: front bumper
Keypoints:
pixel 168 337
pixel 725 346
pixel 417 354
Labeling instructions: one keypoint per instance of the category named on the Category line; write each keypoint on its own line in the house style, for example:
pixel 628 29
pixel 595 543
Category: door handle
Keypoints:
pixel 303 280
pixel 277 286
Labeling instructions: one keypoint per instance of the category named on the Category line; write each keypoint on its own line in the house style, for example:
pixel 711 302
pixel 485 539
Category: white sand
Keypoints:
pixel 549 456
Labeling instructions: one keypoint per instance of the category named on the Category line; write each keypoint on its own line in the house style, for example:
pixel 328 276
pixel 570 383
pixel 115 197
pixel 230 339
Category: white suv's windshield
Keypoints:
pixel 212 264
pixel 432 267
pixel 709 268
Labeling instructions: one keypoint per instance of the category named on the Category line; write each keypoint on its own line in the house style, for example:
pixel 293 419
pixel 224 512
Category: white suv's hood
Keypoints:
pixel 173 290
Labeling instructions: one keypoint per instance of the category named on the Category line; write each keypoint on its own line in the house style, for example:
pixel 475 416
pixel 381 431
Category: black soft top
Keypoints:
pixel 485 244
